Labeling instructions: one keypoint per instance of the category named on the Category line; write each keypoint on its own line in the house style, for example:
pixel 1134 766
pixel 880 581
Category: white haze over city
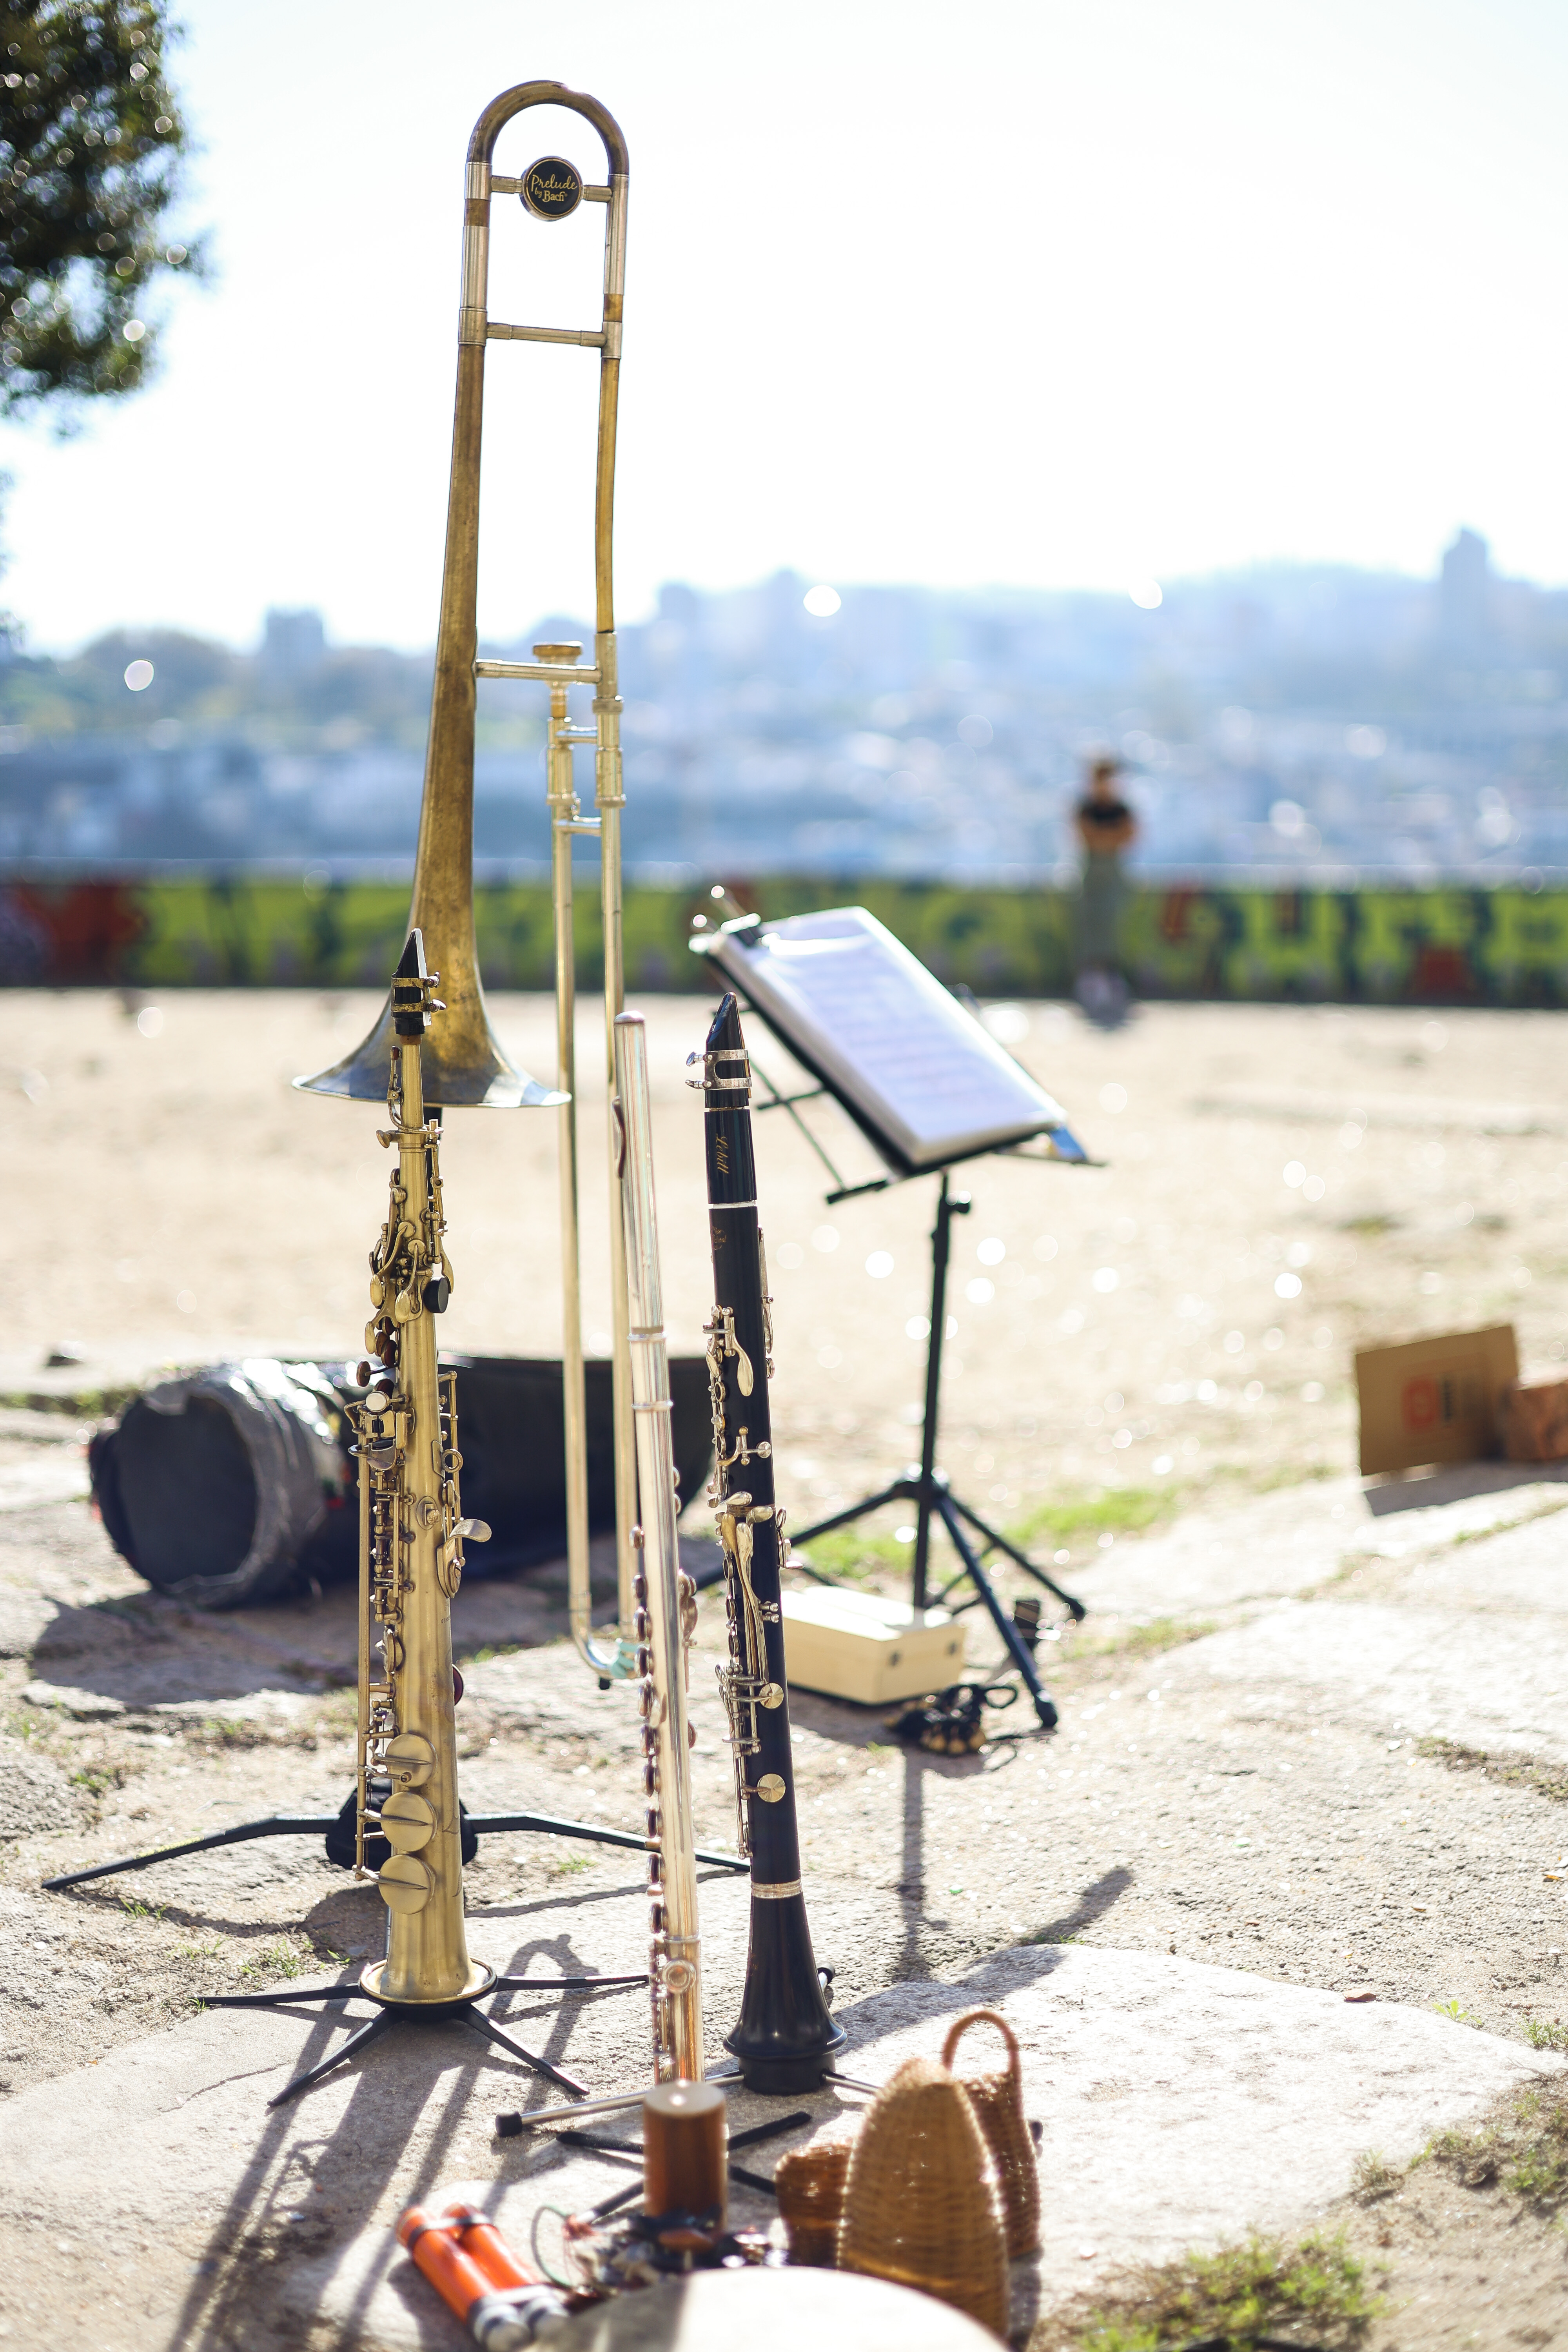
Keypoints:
pixel 1042 294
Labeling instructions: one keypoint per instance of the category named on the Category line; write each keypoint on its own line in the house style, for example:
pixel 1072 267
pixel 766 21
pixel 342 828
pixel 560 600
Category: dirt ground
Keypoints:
pixel 1161 1342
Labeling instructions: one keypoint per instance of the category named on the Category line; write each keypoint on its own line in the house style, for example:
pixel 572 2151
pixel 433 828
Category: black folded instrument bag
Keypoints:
pixel 234 1483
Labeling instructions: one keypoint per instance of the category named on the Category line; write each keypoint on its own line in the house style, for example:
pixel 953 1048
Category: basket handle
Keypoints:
pixel 981 2017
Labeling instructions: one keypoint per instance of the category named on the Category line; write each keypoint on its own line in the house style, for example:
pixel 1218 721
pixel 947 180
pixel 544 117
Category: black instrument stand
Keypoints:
pixel 391 2013
pixel 927 1488
pixel 338 1828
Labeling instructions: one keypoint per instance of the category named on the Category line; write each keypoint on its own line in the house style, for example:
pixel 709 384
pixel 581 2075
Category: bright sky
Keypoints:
pixel 1053 292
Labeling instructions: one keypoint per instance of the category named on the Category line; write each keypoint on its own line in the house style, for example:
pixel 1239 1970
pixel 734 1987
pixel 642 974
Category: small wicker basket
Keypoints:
pixel 923 2207
pixel 809 2183
pixel 997 2099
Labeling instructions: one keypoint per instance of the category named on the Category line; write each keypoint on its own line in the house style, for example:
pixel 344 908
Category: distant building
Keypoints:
pixel 293 643
pixel 1464 595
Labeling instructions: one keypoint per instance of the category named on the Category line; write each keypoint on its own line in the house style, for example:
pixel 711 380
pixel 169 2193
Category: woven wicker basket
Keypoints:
pixel 923 2207
pixel 809 2183
pixel 997 2099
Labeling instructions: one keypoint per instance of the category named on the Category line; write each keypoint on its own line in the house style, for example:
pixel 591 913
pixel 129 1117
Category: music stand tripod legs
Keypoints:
pixel 926 1488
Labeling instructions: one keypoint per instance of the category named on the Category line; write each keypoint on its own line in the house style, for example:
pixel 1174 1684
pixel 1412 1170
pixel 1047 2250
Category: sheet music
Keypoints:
pixel 919 1069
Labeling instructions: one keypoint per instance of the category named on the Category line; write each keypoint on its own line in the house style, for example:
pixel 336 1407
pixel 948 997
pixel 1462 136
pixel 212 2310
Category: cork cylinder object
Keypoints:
pixel 685 2146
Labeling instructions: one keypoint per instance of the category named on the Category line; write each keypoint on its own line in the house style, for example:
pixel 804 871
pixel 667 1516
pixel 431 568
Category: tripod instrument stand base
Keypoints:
pixel 924 1486
pixel 459 2009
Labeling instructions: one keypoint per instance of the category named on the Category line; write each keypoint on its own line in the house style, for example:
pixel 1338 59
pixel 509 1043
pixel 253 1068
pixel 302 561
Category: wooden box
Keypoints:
pixel 858 1645
pixel 1436 1400
pixel 1535 1419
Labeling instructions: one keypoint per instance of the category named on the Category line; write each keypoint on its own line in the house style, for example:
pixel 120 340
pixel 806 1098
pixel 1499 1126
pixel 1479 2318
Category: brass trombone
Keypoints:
pixel 465 1064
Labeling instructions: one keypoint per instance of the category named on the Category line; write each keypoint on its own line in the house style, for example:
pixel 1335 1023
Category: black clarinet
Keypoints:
pixel 785 2038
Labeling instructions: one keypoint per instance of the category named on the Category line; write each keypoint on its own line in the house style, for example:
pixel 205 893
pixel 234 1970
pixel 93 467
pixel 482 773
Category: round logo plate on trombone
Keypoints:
pixel 551 188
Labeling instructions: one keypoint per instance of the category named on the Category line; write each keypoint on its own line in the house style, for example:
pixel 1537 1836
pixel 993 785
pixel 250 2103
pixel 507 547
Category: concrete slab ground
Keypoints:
pixel 166 2205
pixel 1236 1823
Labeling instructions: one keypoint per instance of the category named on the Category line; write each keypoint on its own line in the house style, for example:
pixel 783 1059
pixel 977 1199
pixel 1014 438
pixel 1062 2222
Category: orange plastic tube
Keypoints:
pixel 484 2247
pixel 457 2280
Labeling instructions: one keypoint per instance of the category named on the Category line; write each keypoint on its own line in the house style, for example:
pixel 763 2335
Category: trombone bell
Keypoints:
pixel 465 1066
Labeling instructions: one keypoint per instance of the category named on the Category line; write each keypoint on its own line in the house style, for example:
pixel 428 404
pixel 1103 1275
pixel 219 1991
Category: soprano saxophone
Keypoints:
pixel 785 2036
pixel 412 1534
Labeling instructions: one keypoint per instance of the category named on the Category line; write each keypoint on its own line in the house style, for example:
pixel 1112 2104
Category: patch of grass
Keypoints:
pixel 233 1731
pixel 1545 2033
pixel 1519 1771
pixel 1375 2177
pixel 275 1960
pixel 488 1650
pixel 1454 2013
pixel 1145 1641
pixel 850 1554
pixel 1524 2148
pixel 208 1951
pixel 1097 1510
pixel 572 1864
pixel 135 1910
pixel 99 1779
pixel 1544 1510
pixel 1248 2290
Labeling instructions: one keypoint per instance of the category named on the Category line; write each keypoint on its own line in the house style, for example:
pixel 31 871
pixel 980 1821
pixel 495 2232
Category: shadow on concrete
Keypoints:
pixel 1419 1490
pixel 1093 1904
pixel 422 2073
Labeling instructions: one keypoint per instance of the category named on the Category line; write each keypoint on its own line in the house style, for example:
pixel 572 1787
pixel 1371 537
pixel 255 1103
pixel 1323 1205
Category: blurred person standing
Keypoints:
pixel 1106 827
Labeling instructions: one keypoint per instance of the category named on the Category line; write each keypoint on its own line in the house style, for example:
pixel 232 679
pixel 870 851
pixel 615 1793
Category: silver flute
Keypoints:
pixel 665 1616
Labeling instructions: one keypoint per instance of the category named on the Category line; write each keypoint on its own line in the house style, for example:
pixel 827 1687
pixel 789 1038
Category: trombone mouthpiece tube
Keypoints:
pixel 502 2318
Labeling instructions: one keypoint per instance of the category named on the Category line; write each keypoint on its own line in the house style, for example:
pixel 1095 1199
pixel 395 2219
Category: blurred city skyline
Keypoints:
pixel 1314 722
pixel 1045 296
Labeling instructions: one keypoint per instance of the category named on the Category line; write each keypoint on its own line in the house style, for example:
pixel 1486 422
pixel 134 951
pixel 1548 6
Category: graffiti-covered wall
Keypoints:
pixel 1447 944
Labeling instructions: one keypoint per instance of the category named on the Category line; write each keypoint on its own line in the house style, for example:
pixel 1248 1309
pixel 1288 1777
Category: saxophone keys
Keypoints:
pixel 406 1883
pixel 410 1760
pixel 407 1822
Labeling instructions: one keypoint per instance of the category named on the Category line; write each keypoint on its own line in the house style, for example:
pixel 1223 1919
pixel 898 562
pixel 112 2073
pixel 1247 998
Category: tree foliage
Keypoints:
pixel 91 143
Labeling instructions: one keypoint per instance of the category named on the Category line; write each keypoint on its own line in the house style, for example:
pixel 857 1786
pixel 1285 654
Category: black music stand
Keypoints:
pixel 799 1028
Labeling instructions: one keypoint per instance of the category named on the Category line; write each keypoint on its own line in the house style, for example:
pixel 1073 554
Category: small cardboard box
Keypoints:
pixel 1535 1419
pixel 858 1645
pixel 1436 1400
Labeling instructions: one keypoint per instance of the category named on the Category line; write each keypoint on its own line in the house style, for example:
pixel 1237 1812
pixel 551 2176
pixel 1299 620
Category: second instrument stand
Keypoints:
pixel 925 1486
